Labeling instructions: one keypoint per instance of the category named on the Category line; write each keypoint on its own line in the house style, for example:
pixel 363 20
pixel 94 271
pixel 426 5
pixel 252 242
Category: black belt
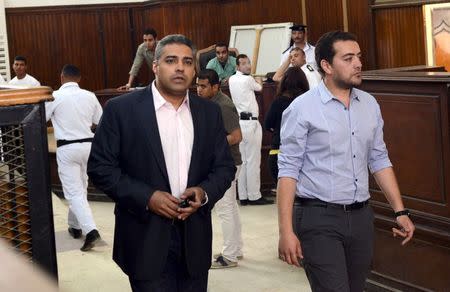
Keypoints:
pixel 249 118
pixel 320 203
pixel 60 143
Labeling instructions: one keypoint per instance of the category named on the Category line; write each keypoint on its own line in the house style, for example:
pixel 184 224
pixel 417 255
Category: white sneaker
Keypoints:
pixel 217 255
pixel 223 263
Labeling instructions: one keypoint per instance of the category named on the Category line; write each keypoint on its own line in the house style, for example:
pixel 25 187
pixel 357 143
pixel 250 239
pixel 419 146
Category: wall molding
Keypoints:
pixel 380 4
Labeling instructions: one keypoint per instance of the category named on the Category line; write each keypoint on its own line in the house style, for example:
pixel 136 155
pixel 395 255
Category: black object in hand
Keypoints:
pixel 185 202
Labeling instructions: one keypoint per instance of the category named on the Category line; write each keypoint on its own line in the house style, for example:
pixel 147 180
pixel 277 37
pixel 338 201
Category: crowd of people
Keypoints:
pixel 167 157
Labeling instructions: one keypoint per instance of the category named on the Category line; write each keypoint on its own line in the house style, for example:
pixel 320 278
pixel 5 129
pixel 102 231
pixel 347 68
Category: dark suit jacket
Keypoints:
pixel 127 163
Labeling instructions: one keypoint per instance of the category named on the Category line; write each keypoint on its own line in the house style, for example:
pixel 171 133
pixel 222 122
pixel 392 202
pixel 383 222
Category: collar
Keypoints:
pixel 239 72
pixel 69 84
pixel 217 96
pixel 148 50
pixel 326 95
pixel 25 76
pixel 228 62
pixel 307 46
pixel 159 100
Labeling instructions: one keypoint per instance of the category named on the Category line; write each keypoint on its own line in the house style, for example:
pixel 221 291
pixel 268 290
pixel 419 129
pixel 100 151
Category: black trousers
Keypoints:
pixel 273 166
pixel 337 246
pixel 175 277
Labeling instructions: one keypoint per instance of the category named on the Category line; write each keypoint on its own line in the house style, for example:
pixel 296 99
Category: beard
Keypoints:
pixel 347 83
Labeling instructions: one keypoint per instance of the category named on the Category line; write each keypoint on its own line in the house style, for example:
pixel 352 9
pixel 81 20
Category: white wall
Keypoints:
pixel 4 55
pixel 32 3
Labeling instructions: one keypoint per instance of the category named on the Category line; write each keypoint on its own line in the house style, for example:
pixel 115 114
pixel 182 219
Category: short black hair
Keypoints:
pixel 239 57
pixel 297 49
pixel 325 49
pixel 71 71
pixel 150 31
pixel 222 44
pixel 21 58
pixel 211 75
pixel 173 39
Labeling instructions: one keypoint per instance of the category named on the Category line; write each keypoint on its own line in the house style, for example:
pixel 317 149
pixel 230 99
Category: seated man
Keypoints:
pixel 297 58
pixel 223 63
pixel 22 78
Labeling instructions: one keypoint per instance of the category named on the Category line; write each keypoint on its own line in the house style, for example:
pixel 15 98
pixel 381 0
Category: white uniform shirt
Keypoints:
pixel 73 112
pixel 312 75
pixel 176 130
pixel 242 90
pixel 27 81
pixel 309 54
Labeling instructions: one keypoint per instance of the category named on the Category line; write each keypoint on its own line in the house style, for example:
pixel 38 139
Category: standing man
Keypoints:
pixel 22 78
pixel 329 138
pixel 299 38
pixel 297 59
pixel 223 63
pixel 208 87
pixel 161 154
pixel 145 51
pixel 73 113
pixel 242 89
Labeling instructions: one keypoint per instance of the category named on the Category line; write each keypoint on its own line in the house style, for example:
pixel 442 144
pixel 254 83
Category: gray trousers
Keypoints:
pixel 337 246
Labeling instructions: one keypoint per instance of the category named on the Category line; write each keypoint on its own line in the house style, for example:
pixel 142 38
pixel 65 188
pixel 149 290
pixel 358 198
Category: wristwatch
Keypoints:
pixel 401 213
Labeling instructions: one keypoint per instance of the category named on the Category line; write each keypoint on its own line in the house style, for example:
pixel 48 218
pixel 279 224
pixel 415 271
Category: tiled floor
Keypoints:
pixel 259 271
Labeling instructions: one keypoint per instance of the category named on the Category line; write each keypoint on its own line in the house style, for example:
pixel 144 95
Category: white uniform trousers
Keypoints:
pixel 228 211
pixel 249 180
pixel 72 169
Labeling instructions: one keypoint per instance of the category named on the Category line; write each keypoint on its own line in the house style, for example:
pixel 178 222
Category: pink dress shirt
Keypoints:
pixel 176 131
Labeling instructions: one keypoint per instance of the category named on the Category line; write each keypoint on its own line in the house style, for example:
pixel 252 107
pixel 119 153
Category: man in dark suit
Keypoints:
pixel 153 149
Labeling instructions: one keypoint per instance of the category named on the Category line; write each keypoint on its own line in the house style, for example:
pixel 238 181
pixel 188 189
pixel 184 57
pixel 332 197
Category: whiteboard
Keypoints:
pixel 274 40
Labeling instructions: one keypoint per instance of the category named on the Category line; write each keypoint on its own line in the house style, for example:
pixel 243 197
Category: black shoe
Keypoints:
pixel 244 202
pixel 75 233
pixel 91 239
pixel 260 201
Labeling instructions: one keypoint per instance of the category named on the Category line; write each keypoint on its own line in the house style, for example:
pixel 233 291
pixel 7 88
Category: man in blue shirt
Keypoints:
pixel 330 137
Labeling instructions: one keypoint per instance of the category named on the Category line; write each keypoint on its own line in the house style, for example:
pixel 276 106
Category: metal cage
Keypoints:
pixel 26 214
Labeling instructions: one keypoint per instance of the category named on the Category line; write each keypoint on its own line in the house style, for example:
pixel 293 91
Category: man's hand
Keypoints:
pixel 407 228
pixel 289 249
pixel 164 204
pixel 196 196
pixel 125 87
pixel 259 79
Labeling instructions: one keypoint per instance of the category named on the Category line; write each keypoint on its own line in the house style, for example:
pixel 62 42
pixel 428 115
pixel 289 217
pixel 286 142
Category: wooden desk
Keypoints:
pixel 415 107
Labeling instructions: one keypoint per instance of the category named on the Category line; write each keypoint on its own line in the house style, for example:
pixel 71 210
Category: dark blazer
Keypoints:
pixel 127 163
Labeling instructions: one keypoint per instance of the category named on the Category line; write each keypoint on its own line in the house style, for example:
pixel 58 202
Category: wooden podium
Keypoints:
pixel 26 214
pixel 415 104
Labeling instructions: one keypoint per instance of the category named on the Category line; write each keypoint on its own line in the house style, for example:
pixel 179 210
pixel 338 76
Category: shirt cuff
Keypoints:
pixel 379 165
pixel 288 173
pixel 205 200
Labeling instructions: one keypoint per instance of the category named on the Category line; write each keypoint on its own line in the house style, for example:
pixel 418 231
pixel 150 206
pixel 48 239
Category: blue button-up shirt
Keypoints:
pixel 328 148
